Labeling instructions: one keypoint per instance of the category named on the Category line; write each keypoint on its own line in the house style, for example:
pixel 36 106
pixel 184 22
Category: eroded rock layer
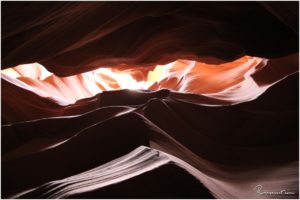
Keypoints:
pixel 150 100
pixel 74 37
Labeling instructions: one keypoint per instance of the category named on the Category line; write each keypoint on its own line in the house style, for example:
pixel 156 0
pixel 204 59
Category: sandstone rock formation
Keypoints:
pixel 150 99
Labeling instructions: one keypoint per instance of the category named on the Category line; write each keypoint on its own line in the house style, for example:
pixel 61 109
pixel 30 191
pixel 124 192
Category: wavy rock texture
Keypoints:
pixel 192 100
pixel 254 140
pixel 144 162
pixel 225 84
pixel 232 79
pixel 70 37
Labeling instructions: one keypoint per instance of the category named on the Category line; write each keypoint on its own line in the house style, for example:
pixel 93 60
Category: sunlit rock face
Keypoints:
pixel 150 100
pixel 230 81
pixel 182 76
pixel 74 37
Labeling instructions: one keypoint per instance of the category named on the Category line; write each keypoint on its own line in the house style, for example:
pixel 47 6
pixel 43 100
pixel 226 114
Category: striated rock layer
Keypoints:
pixel 150 100
pixel 74 37
pixel 236 147
pixel 229 81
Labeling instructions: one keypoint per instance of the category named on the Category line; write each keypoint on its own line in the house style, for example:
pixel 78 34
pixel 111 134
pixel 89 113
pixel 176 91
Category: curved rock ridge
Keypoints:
pixel 104 179
pixel 232 82
pixel 230 149
pixel 21 104
pixel 150 100
pixel 136 163
pixel 237 147
pixel 69 38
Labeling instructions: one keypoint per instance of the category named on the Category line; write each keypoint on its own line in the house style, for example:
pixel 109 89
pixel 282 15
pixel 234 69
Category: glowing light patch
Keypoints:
pixel 11 72
pixel 231 81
